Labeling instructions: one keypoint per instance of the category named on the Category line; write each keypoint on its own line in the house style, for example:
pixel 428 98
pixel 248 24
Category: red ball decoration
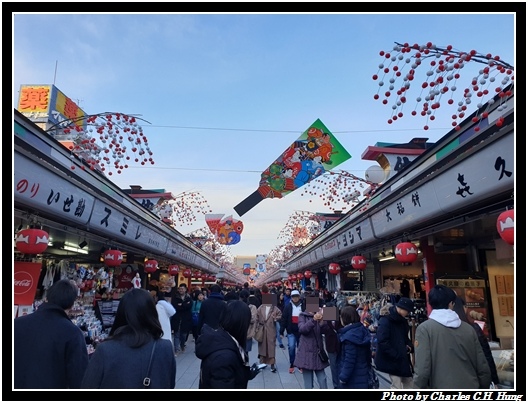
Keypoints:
pixel 151 266
pixel 334 268
pixel 406 252
pixel 174 269
pixel 187 273
pixel 307 274
pixel 506 225
pixel 359 262
pixel 32 241
pixel 113 257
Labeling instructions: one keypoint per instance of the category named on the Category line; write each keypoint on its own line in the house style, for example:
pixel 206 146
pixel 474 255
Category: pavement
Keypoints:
pixel 188 371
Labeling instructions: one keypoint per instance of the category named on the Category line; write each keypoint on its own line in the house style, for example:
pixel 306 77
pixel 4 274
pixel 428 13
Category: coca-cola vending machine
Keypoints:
pixel 25 279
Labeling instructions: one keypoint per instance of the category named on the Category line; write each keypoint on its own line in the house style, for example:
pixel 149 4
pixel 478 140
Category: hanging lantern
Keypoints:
pixel 246 271
pixel 174 269
pixel 506 225
pixel 406 252
pixel 359 262
pixel 300 276
pixel 113 257
pixel 151 266
pixel 334 268
pixel 307 274
pixel 187 273
pixel 32 241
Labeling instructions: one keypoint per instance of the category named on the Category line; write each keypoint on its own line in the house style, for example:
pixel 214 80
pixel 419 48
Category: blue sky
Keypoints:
pixel 226 94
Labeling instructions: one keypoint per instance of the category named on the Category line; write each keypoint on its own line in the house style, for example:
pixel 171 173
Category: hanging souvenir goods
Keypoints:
pixel 359 262
pixel 113 257
pixel 406 252
pixel 32 240
pixel 506 225
pixel 334 268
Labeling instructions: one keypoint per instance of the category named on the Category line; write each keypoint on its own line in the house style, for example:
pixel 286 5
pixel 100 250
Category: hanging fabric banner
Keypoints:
pixel 315 152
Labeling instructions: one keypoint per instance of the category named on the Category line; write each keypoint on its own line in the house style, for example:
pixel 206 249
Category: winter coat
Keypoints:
pixel 331 339
pixel 309 343
pixel 487 352
pixel 448 354
pixel 182 319
pixel 392 344
pixel 49 350
pixel 266 348
pixel 211 309
pixel 354 360
pixel 286 320
pixel 222 364
pixel 253 323
pixel 165 311
pixel 115 365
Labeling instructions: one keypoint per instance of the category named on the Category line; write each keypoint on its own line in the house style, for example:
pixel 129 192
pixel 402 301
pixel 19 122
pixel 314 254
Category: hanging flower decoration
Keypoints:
pixel 183 209
pixel 445 66
pixel 108 141
pixel 339 190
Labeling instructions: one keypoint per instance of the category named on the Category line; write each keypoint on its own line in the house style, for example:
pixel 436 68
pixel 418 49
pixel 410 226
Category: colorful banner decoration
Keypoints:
pixel 226 230
pixel 311 155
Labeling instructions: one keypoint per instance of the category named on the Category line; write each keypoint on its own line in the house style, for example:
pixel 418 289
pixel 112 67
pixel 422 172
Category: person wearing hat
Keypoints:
pixel 290 324
pixel 394 345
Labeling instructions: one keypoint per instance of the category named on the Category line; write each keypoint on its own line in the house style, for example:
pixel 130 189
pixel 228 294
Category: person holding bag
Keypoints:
pixel 311 356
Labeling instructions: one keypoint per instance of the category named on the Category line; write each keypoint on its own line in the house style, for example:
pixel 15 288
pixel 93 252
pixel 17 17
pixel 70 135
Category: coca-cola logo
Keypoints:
pixel 22 282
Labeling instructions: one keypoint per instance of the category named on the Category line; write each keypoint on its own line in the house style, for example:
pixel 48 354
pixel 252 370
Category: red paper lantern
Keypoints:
pixel 187 273
pixel 32 241
pixel 246 271
pixel 359 262
pixel 113 257
pixel 334 268
pixel 406 252
pixel 506 225
pixel 307 274
pixel 174 269
pixel 300 276
pixel 151 266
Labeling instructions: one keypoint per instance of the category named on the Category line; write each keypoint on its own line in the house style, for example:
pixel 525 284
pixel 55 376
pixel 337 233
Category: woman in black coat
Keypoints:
pixel 225 363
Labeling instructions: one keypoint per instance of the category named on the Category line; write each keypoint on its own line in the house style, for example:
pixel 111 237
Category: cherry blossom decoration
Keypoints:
pixel 110 142
pixel 183 209
pixel 445 66
pixel 339 190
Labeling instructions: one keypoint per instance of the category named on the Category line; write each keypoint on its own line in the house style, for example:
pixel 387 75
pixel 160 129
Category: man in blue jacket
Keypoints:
pixel 49 350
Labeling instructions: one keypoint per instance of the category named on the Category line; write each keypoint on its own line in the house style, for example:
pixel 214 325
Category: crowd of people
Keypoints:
pixel 150 329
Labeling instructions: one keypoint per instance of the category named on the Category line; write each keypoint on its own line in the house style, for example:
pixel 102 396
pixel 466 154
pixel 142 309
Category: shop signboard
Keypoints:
pixel 43 190
pixel 108 219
